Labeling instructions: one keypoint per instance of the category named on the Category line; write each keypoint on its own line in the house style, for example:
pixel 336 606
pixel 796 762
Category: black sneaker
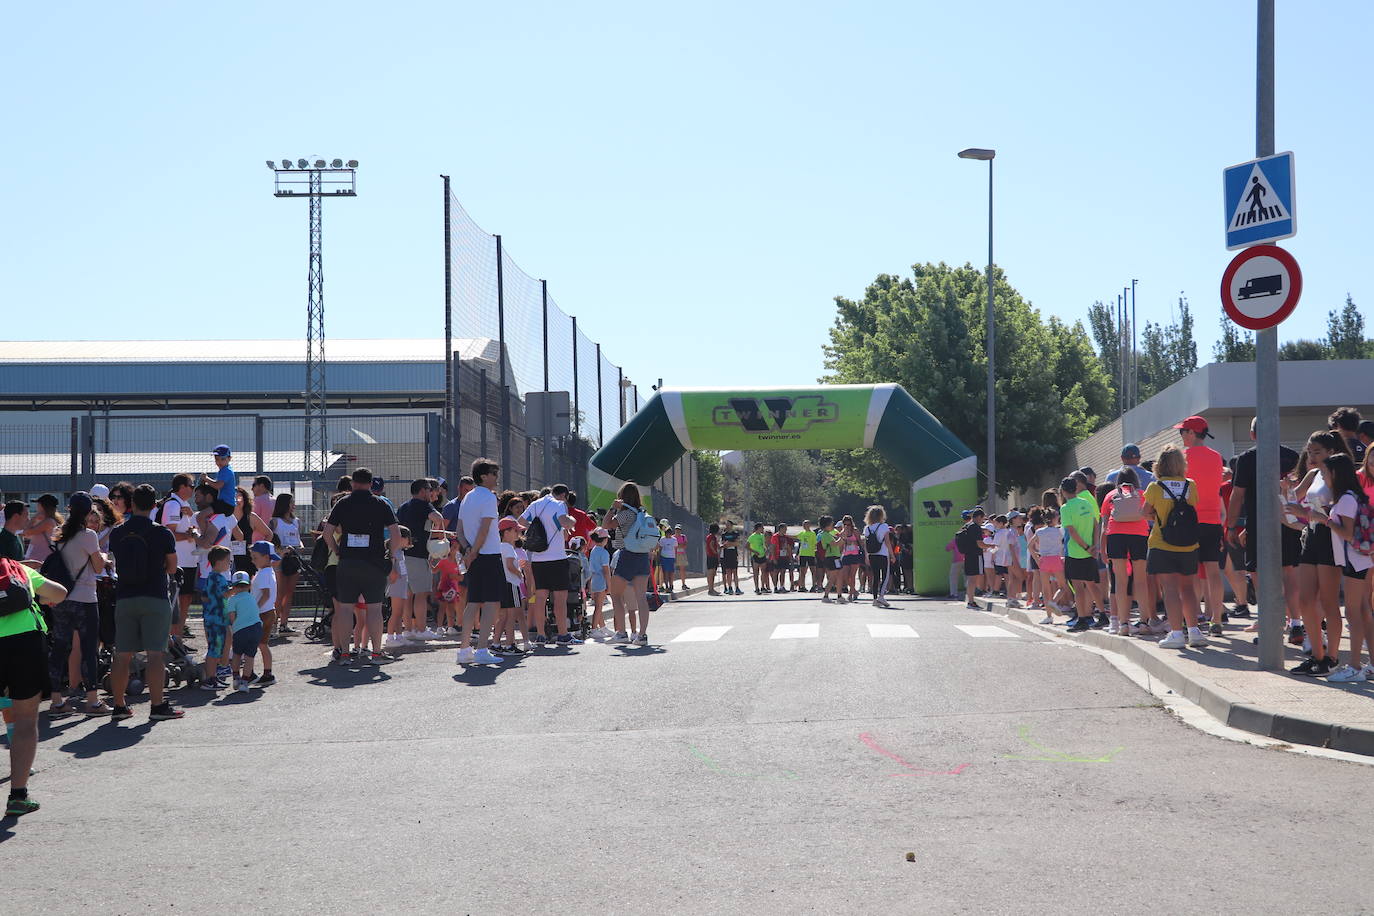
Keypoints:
pixel 265 680
pixel 163 711
pixel 1240 610
pixel 1308 668
pixel 1324 667
pixel 287 631
pixel 122 712
pixel 1083 624
pixel 1073 621
pixel 1100 620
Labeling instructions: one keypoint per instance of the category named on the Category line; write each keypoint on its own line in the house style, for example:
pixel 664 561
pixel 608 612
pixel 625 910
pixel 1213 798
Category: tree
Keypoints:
pixel 1304 349
pixel 710 485
pixel 1345 332
pixel 927 334
pixel 1107 335
pixel 1235 344
pixel 1168 352
pixel 781 484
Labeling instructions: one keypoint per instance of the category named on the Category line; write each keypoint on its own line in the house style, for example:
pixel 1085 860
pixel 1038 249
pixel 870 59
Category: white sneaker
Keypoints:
pixel 1048 619
pixel 465 656
pixel 1368 672
pixel 1346 673
pixel 825 599
pixel 1195 637
pixel 1175 640
pixel 1114 627
pixel 484 657
pixel 619 639
pixel 429 633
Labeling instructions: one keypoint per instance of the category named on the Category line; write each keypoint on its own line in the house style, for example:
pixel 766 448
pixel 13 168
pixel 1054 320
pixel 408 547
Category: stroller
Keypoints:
pixel 578 624
pixel 138 673
pixel 182 668
pixel 312 575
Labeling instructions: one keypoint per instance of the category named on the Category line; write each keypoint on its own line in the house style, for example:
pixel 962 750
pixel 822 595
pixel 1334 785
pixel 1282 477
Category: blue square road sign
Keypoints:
pixel 1260 201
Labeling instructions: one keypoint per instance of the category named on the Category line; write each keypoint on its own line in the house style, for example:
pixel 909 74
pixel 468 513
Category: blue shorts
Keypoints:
pixel 628 565
pixel 246 640
pixel 668 563
pixel 216 632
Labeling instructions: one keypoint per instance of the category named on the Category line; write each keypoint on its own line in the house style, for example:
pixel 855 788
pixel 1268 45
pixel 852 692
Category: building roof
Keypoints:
pixel 337 350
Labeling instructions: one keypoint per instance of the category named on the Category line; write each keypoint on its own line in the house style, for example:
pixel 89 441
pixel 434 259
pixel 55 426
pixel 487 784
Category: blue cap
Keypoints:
pixel 966 514
pixel 378 484
pixel 265 548
pixel 1130 450
pixel 221 451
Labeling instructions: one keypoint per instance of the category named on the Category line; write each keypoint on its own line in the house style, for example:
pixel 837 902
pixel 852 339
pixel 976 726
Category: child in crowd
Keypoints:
pixel 828 549
pixel 1020 559
pixel 513 595
pixel 956 563
pixel 1001 555
pixel 246 625
pixel 399 593
pixel 1034 522
pixel 451 593
pixel 214 617
pixel 1048 550
pixel 599 577
pixel 264 556
pixel 667 559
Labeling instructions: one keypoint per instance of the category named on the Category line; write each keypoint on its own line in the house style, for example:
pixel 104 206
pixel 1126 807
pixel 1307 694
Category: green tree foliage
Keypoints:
pixel 710 485
pixel 781 484
pixel 1168 352
pixel 927 334
pixel 1236 345
pixel 1102 322
pixel 1345 332
pixel 1304 349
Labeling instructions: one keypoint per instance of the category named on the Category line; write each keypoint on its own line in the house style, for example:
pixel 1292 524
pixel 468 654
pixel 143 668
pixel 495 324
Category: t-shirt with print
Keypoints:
pixel 224 532
pixel 1160 495
pixel 213 608
pixel 171 518
pixel 1348 506
pixel 479 504
pixel 729 540
pixel 77 554
pixel 159 542
pixel 807 539
pixel 363 520
pixel 1205 470
pixel 244 610
pixel 1080 516
pixel 548 512
pixel 667 547
pixel 265 580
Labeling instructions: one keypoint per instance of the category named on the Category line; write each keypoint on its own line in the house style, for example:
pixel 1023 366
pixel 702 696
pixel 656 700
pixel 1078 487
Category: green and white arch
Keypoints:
pixel 884 417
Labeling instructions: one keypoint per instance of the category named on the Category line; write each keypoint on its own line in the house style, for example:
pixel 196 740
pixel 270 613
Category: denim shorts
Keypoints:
pixel 629 565
pixel 246 640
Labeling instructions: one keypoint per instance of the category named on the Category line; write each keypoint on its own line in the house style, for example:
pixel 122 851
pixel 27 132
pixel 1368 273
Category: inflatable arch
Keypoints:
pixel 942 470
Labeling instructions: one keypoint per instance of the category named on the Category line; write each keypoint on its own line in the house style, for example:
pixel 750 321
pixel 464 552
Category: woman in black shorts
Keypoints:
pixel 1319 576
pixel 729 559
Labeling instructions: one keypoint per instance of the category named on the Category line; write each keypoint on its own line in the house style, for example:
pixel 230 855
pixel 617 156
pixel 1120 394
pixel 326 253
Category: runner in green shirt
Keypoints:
pixel 806 558
pixel 758 549
pixel 832 548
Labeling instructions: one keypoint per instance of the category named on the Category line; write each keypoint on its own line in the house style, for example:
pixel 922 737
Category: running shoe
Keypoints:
pixel 1296 634
pixel 465 656
pixel 567 639
pixel 641 639
pixel 267 680
pixel 210 686
pixel 825 599
pixel 287 631
pixel 1114 627
pixel 485 657
pixel 1175 640
pixel 121 712
pixel 338 657
pixel 619 639
pixel 1195 638
pixel 1048 619
pixel 1240 610
pixel 164 711
pixel 1082 624
pixel 1307 667
pixel 1013 603
pixel 241 685
pixel 1346 673
pixel 1216 630
pixel 18 807
pixel 1100 620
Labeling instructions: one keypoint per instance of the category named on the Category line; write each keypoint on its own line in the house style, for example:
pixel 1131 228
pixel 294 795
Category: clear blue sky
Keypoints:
pixel 696 181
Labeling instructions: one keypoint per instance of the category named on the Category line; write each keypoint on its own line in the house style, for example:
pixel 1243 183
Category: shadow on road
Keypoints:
pixel 340 678
pixel 111 736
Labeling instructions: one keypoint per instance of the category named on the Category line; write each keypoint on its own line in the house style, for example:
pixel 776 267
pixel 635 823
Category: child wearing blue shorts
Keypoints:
pixel 215 617
pixel 246 622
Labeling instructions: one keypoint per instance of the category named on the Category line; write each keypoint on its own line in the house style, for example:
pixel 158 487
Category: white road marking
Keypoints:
pixel 987 631
pixel 891 631
pixel 701 634
pixel 796 631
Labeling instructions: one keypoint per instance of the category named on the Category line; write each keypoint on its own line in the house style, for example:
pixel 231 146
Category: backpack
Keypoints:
pixel 643 534
pixel 319 555
pixel 15 595
pixel 872 543
pixel 131 559
pixel 1127 505
pixel 1180 527
pixel 967 539
pixel 54 569
pixel 1363 541
pixel 537 535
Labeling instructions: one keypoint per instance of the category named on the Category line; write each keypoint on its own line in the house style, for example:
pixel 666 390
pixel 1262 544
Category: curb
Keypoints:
pixel 1220 704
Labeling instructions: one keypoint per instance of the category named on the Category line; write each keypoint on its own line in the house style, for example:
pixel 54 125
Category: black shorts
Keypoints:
pixel 1080 569
pixel 550 575
pixel 1316 546
pixel 1127 546
pixel 1209 543
pixel 1352 573
pixel 1234 556
pixel 1167 562
pixel 973 564
pixel 832 563
pixel 223 508
pixel 713 562
pixel 485 579
pixel 1000 570
pixel 507 595
pixel 730 558
pixel 187 583
pixel 1290 548
pixel 364 582
pixel 24 666
pixel 806 562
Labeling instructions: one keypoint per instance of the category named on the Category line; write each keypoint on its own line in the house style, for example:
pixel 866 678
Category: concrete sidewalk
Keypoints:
pixel 1223 678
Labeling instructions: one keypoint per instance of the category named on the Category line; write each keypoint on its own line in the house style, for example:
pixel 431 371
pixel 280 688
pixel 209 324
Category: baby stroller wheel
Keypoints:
pixel 135 687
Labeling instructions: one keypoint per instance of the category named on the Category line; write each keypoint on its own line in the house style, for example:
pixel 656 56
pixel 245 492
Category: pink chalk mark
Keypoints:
pixel 873 745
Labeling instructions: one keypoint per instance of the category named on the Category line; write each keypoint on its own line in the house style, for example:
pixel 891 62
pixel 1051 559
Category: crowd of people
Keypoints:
pixel 1148 551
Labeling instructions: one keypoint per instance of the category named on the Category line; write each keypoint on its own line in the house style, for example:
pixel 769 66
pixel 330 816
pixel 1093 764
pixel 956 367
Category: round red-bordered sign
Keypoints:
pixel 1261 287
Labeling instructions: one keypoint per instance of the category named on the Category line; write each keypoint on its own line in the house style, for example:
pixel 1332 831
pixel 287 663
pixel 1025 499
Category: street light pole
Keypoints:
pixel 987 155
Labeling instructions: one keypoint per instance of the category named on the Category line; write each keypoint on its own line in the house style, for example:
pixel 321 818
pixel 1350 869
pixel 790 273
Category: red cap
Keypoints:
pixel 1195 424
pixel 507 524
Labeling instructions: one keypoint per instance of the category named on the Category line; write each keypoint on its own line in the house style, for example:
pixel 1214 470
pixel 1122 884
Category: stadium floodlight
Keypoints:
pixel 285 164
pixel 319 163
pixel 353 163
pixel 336 164
pixel 302 164
pixel 271 164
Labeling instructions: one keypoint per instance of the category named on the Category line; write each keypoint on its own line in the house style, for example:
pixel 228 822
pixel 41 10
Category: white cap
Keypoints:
pixel 100 490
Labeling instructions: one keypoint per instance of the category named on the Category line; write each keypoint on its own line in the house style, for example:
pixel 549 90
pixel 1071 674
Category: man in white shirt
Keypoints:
pixel 550 566
pixel 485 577
pixel 176 517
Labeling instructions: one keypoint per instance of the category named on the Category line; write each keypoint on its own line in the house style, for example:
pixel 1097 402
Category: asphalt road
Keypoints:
pixel 761 771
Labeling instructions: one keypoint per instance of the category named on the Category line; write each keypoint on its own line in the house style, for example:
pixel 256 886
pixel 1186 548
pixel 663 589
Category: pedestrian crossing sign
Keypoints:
pixel 1259 201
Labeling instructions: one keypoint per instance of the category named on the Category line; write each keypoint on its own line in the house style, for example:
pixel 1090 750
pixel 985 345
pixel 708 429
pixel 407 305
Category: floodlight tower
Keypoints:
pixel 315 180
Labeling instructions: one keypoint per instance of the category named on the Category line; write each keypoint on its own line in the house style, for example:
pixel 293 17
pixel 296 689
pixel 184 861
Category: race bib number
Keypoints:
pixel 238 548
pixel 359 540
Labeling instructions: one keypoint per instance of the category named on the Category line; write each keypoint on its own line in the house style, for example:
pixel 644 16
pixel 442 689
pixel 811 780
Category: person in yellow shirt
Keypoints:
pixel 1173 546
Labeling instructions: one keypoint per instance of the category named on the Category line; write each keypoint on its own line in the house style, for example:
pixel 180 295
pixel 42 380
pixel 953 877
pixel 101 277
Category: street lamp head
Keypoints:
pixel 319 163
pixel 336 164
pixel 271 165
pixel 353 163
pixel 973 152
pixel 286 163
pixel 302 164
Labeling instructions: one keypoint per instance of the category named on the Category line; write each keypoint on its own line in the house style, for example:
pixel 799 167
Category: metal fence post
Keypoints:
pixel 76 464
pixel 433 437
pixel 600 407
pixel 576 418
pixel 257 442
pixel 501 333
pixel 484 419
pixel 87 451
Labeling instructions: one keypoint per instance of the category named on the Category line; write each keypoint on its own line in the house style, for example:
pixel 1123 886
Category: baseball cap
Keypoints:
pixel 441 482
pixel 1014 514
pixel 100 490
pixel 966 514
pixel 1367 428
pixel 677 527
pixel 575 544
pixel 265 548
pixel 663 521
pixel 239 578
pixel 599 533
pixel 221 451
pixel 1197 425
pixel 377 485
pixel 1130 450
pixel 507 524
pixel 80 504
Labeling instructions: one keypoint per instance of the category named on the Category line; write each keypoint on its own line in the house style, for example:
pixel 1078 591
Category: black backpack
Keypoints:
pixel 968 539
pixel 54 569
pixel 1180 528
pixel 537 536
pixel 871 541
pixel 131 559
